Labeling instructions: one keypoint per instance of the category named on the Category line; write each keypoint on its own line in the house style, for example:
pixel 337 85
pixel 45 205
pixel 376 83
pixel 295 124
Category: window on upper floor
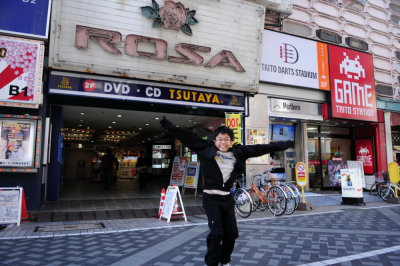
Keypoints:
pixel 357 5
pixel 394 8
pixel 395 19
pixel 297 29
pixel 329 36
pixel 384 90
pixel 397 54
pixel 356 43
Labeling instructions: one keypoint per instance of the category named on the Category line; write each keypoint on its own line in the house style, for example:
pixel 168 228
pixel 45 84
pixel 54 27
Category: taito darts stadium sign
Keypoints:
pixel 352 84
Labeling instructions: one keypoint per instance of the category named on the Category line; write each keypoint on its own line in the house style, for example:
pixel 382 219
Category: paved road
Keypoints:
pixel 352 236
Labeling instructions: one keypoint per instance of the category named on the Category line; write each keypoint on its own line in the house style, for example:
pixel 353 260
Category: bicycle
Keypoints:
pixel 243 202
pixel 269 195
pixel 388 191
pixel 381 180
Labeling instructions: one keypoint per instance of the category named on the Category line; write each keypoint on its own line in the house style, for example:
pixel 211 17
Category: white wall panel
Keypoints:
pixel 378 3
pixel 378 25
pixel 383 76
pixel 380 50
pixel 326 8
pixel 380 38
pixel 327 22
pixel 382 63
pixel 354 17
pixel 378 13
pixel 300 15
pixel 231 25
pixel 355 30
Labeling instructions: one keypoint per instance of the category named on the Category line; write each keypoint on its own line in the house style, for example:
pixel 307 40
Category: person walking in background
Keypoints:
pixel 221 164
pixel 107 166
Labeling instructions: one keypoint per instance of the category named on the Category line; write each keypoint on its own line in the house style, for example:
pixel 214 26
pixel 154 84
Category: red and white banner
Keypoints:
pixel 21 67
pixel 364 153
pixel 352 84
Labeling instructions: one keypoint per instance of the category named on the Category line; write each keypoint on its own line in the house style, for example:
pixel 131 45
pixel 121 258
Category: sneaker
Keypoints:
pixel 225 264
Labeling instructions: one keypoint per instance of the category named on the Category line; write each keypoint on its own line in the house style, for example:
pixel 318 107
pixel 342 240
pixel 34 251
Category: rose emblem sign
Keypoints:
pixel 171 16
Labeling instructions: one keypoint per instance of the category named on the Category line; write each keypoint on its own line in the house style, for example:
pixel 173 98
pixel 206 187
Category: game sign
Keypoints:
pixel 352 84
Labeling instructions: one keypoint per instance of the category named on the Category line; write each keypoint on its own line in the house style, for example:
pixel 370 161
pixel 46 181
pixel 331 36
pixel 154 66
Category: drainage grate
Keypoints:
pixel 67 227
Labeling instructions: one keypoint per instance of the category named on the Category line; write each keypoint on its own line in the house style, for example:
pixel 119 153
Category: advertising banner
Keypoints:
pixel 364 153
pixel 192 174
pixel 351 183
pixel 21 67
pixel 334 168
pixel 352 84
pixel 17 140
pixel 187 42
pixel 25 17
pixel 296 61
pixel 257 136
pixel 234 122
pixel 120 89
pixel 178 171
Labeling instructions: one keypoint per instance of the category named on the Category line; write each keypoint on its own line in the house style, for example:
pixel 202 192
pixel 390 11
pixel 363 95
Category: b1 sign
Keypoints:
pixel 352 84
pixel 25 17
pixel 21 66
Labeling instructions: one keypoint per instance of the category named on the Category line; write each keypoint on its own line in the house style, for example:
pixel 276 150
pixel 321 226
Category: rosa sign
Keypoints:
pixel 352 84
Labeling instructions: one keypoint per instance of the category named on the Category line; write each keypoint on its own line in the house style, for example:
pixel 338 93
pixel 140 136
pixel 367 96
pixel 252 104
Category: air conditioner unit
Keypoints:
pixel 280 6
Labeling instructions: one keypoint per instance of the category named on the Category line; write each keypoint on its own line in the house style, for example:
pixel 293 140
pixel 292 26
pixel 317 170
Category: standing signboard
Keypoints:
pixel 172 200
pixel 295 61
pixel 25 17
pixel 10 205
pixel 352 84
pixel 21 67
pixel 178 171
pixel 302 177
pixel 192 174
pixel 352 192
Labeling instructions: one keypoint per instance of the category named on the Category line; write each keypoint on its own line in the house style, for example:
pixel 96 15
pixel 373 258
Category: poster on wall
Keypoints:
pixel 334 168
pixel 21 67
pixel 352 84
pixel 192 174
pixel 257 136
pixel 234 122
pixel 364 154
pixel 178 171
pixel 17 140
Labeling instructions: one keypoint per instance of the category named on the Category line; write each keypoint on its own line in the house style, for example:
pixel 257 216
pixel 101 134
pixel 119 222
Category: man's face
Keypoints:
pixel 223 142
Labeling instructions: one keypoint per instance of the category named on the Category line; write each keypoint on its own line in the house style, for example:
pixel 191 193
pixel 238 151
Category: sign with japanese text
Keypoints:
pixel 234 122
pixel 352 84
pixel 296 61
pixel 120 89
pixel 25 17
pixel 364 153
pixel 10 205
pixel 178 171
pixel 301 174
pixel 192 174
pixel 21 67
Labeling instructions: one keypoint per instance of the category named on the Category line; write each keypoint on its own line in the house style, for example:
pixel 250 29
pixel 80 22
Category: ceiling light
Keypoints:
pixel 140 128
pixel 119 115
pixel 113 122
pixel 109 126
pixel 82 113
pixel 79 125
pixel 147 124
pixel 156 118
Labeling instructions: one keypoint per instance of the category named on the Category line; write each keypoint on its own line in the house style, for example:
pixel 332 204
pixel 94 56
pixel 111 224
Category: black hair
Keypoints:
pixel 223 130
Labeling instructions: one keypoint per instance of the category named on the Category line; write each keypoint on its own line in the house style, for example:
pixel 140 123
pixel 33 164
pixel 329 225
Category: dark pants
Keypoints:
pixel 222 223
pixel 108 175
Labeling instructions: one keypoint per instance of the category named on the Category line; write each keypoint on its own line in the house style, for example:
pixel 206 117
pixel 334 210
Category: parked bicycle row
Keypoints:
pixel 383 187
pixel 266 192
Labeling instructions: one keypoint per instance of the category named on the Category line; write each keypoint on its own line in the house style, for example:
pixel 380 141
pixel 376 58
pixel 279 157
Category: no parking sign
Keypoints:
pixel 301 177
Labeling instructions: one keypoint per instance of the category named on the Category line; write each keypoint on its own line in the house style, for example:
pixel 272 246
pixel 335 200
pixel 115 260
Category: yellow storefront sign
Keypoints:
pixel 234 122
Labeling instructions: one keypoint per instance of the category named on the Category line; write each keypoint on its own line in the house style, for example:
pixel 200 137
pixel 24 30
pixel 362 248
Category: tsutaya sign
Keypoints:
pixel 352 84
pixel 218 53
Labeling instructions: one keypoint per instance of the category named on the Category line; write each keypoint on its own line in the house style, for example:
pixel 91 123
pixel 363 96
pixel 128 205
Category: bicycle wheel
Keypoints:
pixel 291 199
pixel 255 199
pixel 276 200
pixel 243 203
pixel 386 192
pixel 296 193
pixel 262 205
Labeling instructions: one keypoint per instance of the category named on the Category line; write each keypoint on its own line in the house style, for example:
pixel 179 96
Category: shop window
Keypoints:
pixel 297 29
pixel 335 130
pixel 395 19
pixel 356 43
pixel 329 36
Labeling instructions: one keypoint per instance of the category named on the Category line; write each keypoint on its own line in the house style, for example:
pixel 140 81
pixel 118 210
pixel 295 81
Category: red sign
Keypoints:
pixel 352 84
pixel 364 154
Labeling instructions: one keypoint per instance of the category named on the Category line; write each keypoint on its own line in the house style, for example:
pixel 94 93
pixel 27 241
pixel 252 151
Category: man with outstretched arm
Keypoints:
pixel 221 165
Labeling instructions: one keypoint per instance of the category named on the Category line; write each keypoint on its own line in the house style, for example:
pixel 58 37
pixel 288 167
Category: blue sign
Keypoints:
pixel 129 90
pixel 25 17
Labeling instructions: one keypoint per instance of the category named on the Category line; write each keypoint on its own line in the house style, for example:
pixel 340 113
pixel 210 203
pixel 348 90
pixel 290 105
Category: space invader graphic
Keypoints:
pixel 352 68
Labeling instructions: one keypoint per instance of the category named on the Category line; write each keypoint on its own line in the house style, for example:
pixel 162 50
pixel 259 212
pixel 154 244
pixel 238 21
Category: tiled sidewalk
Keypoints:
pixel 320 202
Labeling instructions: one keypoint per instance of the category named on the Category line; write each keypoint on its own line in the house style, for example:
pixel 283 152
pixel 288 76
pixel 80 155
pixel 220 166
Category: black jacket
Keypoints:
pixel 206 151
